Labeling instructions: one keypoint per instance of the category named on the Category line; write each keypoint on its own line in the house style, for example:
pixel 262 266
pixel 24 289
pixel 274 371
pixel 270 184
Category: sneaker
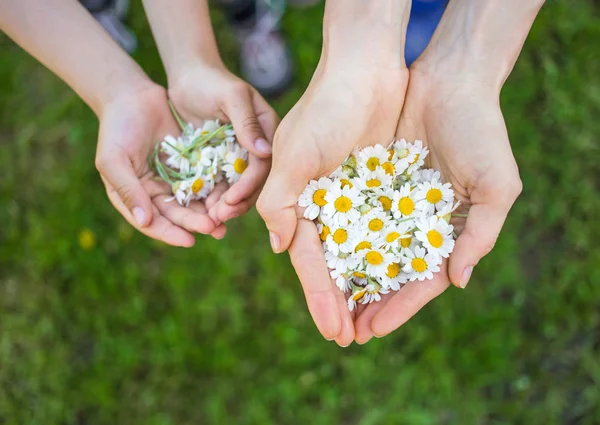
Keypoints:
pixel 110 14
pixel 425 15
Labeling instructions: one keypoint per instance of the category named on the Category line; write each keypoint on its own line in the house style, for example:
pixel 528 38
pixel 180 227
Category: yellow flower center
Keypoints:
pixel 359 295
pixel 393 270
pixel 324 233
pixel 340 236
pixel 342 204
pixel 319 197
pixel 374 258
pixel 372 163
pixel 435 238
pixel 239 165
pixel 406 205
pixel 433 196
pixel 402 153
pixel 359 274
pixel 419 265
pixel 390 154
pixel 416 159
pixel 386 203
pixel 405 242
pixel 346 182
pixel 392 236
pixel 373 183
pixel 388 167
pixel 363 245
pixel 375 225
pixel 197 185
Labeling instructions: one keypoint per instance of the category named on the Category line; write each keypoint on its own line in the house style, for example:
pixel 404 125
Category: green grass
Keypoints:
pixel 134 332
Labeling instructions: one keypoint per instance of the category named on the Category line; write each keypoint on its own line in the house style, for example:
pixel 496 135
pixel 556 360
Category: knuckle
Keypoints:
pixel 101 162
pixel 126 193
pixel 263 208
pixel 251 124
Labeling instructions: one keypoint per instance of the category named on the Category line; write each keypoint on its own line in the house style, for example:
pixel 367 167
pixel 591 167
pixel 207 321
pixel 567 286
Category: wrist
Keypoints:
pixel 192 63
pixel 128 85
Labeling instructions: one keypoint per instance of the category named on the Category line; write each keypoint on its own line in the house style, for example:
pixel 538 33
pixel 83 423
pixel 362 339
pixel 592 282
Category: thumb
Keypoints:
pixel 240 110
pixel 277 206
pixel 484 222
pixel 119 173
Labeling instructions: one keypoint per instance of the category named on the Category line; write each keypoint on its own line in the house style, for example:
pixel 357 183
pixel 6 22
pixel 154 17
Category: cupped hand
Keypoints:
pixel 130 126
pixel 342 109
pixel 204 92
pixel 460 120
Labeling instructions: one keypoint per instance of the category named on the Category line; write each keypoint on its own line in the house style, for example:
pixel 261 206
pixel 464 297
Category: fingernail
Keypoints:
pixel 466 276
pixel 262 145
pixel 275 242
pixel 139 215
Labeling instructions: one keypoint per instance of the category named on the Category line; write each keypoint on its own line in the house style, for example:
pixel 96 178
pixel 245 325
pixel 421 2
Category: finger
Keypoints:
pixel 219 232
pixel 225 212
pixel 484 222
pixel 214 198
pixel 249 133
pixel 251 180
pixel 363 323
pixel 407 302
pixel 159 228
pixel 277 206
pixel 308 259
pixel 346 335
pixel 193 218
pixel 267 117
pixel 118 172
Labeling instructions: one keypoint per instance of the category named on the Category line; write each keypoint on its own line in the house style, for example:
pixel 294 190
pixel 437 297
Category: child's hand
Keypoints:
pixel 130 126
pixel 207 92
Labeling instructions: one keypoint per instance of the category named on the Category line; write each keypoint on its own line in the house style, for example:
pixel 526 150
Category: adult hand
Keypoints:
pixel 130 126
pixel 210 91
pixel 460 120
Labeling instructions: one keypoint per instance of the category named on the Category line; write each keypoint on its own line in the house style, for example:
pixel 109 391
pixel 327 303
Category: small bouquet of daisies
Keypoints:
pixel 383 220
pixel 194 162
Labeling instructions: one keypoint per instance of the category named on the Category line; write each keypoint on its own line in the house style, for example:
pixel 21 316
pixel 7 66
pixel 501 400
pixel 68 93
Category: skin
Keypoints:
pixel 452 103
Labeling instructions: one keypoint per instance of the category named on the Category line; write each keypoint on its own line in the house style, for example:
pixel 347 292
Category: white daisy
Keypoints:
pixel 364 240
pixel 436 236
pixel 376 261
pixel 394 277
pixel 342 205
pixel 403 203
pixel 345 263
pixel 174 148
pixel 445 213
pixel 357 294
pixel 375 220
pixel 236 162
pixel 404 154
pixel 340 240
pixel 420 153
pixel 373 293
pixel 372 157
pixel 419 265
pixel 407 242
pixel 313 197
pixel 341 279
pixel 382 198
pixel 391 236
pixel 432 196
pixel 373 180
pixel 202 158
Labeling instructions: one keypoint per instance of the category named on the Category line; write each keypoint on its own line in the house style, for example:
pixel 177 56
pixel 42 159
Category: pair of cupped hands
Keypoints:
pixel 358 96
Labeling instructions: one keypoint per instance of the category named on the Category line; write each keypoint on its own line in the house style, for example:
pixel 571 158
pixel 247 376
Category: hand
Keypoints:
pixel 210 91
pixel 130 126
pixel 342 109
pixel 460 120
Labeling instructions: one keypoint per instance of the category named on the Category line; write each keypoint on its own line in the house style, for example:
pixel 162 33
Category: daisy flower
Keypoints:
pixel 342 205
pixel 445 213
pixel 394 277
pixel 407 242
pixel 174 148
pixel 313 197
pixel 403 202
pixel 357 295
pixel 340 240
pixel 382 198
pixel 236 162
pixel 372 180
pixel 431 196
pixel 419 265
pixel 375 220
pixel 202 158
pixel 436 236
pixel 372 157
pixel 404 154
pixel 420 153
pixel 373 292
pixel 391 236
pixel 376 261
pixel 342 262
pixel 341 279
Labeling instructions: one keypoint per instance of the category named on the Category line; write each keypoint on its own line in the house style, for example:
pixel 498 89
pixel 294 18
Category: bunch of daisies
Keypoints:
pixel 198 159
pixel 383 220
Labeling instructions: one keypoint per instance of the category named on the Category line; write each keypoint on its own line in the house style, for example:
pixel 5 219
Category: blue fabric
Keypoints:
pixel 424 18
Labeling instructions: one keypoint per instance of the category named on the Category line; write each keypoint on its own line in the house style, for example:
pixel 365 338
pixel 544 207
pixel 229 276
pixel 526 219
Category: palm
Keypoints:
pixel 130 128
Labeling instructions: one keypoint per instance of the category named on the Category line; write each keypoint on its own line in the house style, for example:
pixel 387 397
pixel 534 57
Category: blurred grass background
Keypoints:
pixel 100 325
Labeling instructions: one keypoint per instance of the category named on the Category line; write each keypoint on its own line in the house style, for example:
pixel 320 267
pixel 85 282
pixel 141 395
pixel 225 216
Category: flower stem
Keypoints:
pixel 176 115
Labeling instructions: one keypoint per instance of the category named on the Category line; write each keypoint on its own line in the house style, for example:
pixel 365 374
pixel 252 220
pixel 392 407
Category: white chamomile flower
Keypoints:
pixel 174 148
pixel 372 157
pixel 404 154
pixel 364 240
pixel 342 261
pixel 394 277
pixel 340 240
pixel 373 180
pixel 313 197
pixel 392 235
pixel 323 230
pixel 202 158
pixel 341 279
pixel 407 242
pixel 229 135
pixel 342 175
pixel 201 186
pixel 373 293
pixel 445 213
pixel 376 261
pixel 419 265
pixel 427 175
pixel 357 295
pixel 208 127
pixel 432 196
pixel 382 198
pixel 420 153
pixel 375 220
pixel 342 205
pixel 188 190
pixel 403 202
pixel 236 162
pixel 436 235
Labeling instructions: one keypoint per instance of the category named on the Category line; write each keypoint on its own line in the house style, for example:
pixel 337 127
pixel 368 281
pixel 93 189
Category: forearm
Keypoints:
pixel 65 38
pixel 183 33
pixel 362 31
pixel 480 37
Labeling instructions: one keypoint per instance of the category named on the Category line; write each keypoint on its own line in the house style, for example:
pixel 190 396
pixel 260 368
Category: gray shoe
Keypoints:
pixel 110 14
